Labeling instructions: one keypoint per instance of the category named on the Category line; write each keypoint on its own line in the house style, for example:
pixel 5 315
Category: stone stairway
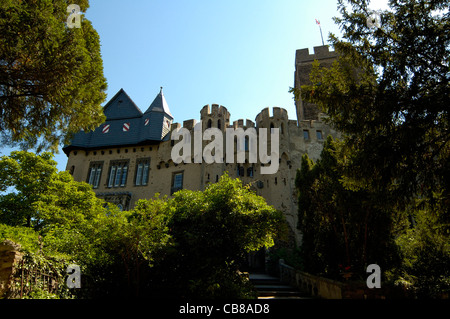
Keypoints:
pixel 269 287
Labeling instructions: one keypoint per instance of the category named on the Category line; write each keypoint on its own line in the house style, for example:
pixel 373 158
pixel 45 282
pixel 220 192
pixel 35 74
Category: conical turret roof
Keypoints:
pixel 159 104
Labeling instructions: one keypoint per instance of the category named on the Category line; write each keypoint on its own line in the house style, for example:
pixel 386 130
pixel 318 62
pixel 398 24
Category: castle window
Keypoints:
pixel 247 139
pixel 319 135
pixel 142 171
pixel 95 171
pixel 209 123
pixel 250 172
pixel 118 172
pixel 240 171
pixel 177 182
pixel 282 128
pixel 72 170
pixel 219 125
pixel 306 134
pixel 271 127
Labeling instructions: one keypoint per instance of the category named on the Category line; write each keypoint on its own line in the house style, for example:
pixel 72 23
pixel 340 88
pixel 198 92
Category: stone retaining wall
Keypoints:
pixel 315 286
pixel 10 256
pixel 320 287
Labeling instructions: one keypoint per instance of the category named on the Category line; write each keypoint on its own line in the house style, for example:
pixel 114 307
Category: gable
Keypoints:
pixel 121 106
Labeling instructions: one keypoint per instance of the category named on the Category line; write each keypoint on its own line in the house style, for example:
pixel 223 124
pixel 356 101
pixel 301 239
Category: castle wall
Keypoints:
pixel 304 135
pixel 278 189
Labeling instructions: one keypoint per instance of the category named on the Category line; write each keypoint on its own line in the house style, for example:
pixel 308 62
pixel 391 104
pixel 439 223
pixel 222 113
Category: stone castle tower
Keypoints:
pixel 303 66
pixel 128 157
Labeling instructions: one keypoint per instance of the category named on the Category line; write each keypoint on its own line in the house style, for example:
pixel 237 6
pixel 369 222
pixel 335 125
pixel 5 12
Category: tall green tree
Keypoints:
pixel 389 94
pixel 343 230
pixel 51 76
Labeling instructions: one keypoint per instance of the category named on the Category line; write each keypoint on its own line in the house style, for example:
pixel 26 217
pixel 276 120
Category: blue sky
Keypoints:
pixel 236 53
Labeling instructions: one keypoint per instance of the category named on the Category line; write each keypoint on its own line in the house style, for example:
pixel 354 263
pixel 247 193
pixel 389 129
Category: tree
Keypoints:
pixel 37 195
pixel 51 76
pixel 388 93
pixel 24 177
pixel 343 230
pixel 211 232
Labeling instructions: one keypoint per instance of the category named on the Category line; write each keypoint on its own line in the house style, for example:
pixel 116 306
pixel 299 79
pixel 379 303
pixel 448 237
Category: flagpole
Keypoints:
pixel 321 34
pixel 318 22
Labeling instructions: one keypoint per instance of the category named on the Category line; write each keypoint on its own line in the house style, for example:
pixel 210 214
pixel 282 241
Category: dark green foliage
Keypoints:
pixel 342 229
pixel 388 94
pixel 51 76
pixel 191 245
pixel 212 231
pixel 37 195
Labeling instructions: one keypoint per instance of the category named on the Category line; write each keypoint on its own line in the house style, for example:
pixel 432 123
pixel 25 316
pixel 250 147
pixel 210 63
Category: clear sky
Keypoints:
pixel 236 53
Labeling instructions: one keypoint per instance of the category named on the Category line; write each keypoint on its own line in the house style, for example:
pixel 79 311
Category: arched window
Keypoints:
pixel 209 123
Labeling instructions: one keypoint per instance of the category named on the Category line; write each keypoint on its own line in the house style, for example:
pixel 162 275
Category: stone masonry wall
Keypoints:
pixel 10 256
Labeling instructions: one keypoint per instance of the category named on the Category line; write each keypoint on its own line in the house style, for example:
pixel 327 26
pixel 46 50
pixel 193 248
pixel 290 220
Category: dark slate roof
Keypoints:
pixel 121 107
pixel 159 104
pixel 126 125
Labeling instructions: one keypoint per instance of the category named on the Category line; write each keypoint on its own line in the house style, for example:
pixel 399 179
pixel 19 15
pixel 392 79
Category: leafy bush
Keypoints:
pixel 192 244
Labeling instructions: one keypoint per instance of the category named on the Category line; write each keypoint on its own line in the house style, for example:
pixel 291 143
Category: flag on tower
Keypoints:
pixel 318 22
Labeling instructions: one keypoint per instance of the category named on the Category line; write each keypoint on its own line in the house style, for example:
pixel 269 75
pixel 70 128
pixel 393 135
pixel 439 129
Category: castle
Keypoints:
pixel 128 157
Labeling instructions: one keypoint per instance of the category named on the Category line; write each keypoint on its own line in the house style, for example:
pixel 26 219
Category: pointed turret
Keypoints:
pixel 159 104
pixel 157 119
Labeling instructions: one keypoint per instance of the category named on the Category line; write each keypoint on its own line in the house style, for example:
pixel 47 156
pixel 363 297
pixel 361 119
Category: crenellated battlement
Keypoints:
pixel 320 53
pixel 214 110
pixel 243 124
pixel 265 118
pixel 292 123
pixel 189 124
pixel 175 126
pixel 277 113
